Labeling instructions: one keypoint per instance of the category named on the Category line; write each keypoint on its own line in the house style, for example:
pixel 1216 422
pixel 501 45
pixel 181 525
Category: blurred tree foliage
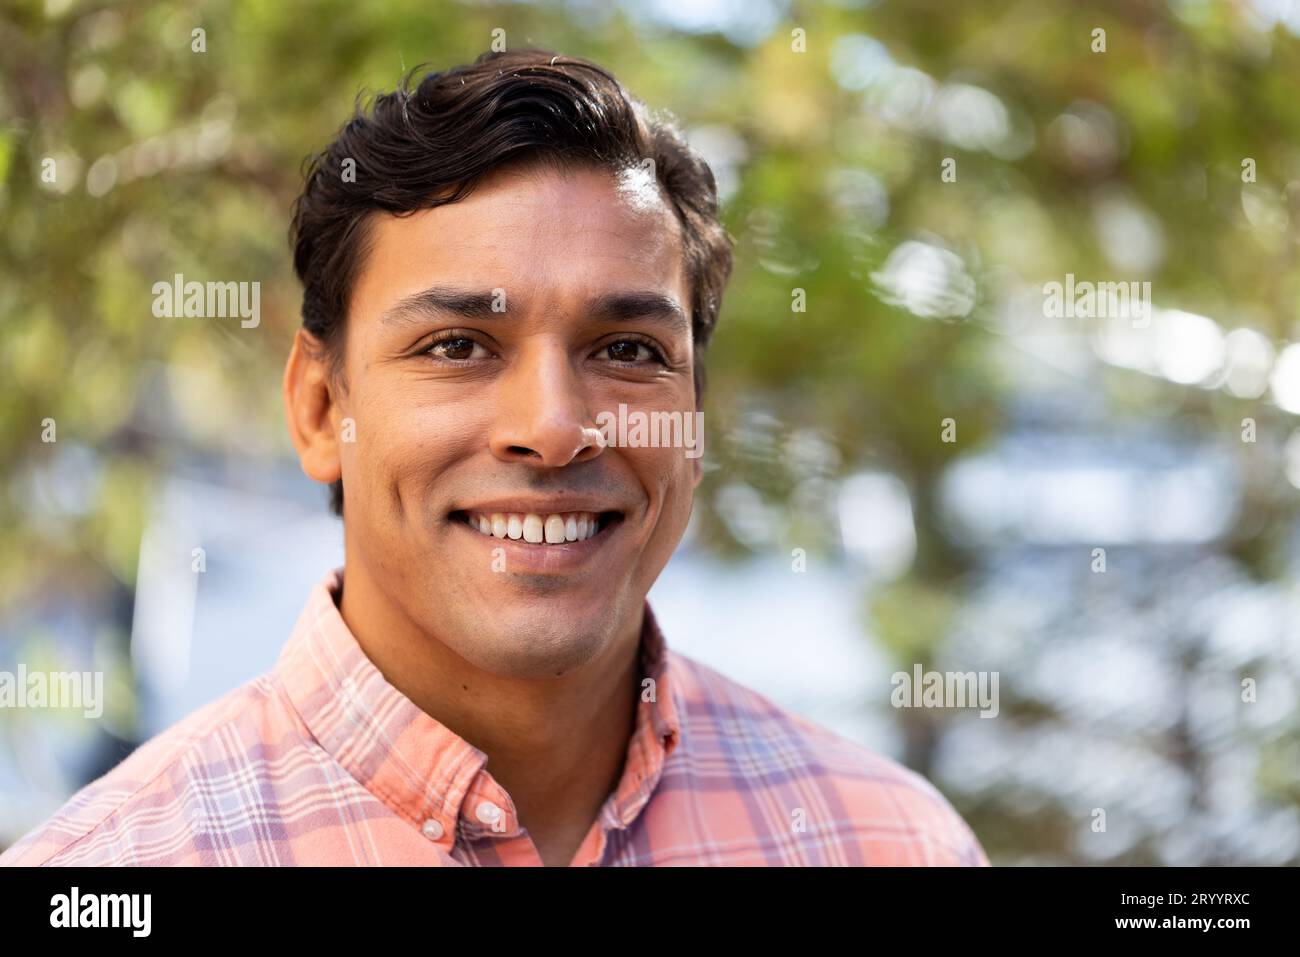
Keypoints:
pixel 169 160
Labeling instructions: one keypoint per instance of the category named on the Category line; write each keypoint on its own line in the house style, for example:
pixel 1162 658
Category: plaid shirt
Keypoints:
pixel 322 762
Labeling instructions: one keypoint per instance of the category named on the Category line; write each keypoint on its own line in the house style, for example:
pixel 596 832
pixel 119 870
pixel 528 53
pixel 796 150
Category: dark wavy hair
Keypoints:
pixel 427 145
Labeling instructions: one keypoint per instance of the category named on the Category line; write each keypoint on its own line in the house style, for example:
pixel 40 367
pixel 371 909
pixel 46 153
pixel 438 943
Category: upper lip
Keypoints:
pixel 549 505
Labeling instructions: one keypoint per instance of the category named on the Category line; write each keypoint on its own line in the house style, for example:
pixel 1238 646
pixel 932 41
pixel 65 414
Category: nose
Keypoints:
pixel 542 413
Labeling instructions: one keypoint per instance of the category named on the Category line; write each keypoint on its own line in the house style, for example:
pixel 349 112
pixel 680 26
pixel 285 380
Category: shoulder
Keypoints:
pixel 142 810
pixel 814 779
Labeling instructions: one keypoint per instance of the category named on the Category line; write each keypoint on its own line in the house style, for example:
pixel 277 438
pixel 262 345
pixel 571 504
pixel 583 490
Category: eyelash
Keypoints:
pixel 452 335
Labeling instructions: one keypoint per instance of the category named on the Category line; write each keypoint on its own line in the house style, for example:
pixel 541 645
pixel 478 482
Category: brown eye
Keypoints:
pixel 624 351
pixel 632 351
pixel 457 348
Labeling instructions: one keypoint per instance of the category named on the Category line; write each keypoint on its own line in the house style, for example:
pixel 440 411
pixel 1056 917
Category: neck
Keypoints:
pixel 556 745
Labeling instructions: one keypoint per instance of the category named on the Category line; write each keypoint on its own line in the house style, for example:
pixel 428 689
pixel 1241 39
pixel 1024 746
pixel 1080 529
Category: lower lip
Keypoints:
pixel 522 556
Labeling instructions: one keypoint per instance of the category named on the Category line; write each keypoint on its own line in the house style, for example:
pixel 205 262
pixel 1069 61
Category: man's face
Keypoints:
pixel 556 297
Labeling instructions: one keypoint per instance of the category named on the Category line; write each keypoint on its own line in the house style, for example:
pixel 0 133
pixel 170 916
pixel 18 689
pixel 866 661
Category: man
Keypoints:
pixel 493 263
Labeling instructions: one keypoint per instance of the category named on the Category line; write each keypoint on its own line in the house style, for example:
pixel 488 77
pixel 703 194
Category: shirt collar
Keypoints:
pixel 418 767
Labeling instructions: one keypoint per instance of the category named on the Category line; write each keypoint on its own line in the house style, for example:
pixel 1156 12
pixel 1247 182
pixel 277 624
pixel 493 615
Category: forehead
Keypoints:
pixel 547 237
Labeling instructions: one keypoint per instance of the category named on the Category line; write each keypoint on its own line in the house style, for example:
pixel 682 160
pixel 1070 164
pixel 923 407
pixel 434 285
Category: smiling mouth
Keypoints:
pixel 557 528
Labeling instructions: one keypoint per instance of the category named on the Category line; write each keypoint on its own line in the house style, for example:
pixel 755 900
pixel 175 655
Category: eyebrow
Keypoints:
pixel 446 301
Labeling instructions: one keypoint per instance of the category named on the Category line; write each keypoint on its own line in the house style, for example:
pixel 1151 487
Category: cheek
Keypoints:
pixel 668 475
pixel 402 447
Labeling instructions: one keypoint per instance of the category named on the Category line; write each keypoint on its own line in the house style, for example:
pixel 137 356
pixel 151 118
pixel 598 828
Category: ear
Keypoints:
pixel 311 409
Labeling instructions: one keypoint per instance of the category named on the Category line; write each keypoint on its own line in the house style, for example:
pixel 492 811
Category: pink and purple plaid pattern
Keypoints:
pixel 322 762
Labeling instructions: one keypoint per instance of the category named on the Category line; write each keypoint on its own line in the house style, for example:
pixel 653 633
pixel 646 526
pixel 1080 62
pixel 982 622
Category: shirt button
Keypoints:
pixel 488 812
pixel 432 829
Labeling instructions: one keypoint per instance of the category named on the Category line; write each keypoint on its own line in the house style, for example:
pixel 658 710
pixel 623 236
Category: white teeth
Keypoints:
pixel 553 529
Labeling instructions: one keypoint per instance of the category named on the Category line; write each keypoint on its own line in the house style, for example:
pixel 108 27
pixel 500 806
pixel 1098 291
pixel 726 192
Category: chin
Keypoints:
pixel 537 642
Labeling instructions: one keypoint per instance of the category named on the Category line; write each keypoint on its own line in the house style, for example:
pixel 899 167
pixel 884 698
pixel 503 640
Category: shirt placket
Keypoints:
pixel 488 814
